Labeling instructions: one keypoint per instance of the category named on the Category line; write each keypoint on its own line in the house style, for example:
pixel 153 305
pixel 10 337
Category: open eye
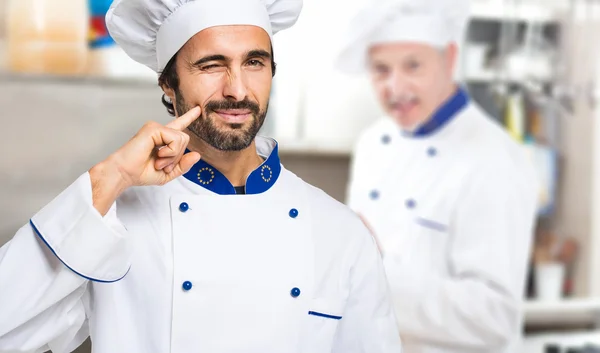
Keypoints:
pixel 380 70
pixel 412 65
pixel 255 62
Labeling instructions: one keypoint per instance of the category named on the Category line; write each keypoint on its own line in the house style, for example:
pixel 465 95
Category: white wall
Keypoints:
pixel 55 130
pixel 579 198
pixel 314 101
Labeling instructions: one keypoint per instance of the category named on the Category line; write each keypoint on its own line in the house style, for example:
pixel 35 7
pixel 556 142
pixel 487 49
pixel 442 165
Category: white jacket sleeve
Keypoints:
pixel 45 270
pixel 368 324
pixel 479 304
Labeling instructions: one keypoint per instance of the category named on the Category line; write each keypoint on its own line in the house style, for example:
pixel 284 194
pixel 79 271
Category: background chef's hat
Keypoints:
pixel 433 22
pixel 152 31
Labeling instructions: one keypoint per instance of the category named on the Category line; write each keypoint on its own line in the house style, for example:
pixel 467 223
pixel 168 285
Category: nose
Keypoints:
pixel 235 88
pixel 397 85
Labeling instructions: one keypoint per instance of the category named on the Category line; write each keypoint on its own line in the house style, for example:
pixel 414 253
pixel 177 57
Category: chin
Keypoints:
pixel 408 122
pixel 228 127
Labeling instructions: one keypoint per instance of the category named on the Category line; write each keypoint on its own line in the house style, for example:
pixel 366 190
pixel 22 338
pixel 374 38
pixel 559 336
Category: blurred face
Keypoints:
pixel 411 80
pixel 226 70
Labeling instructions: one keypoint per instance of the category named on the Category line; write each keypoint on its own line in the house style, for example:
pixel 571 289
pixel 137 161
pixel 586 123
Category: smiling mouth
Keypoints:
pixel 404 107
pixel 234 116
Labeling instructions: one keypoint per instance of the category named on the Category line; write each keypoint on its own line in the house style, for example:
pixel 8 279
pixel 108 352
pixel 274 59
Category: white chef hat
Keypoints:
pixel 152 31
pixel 433 22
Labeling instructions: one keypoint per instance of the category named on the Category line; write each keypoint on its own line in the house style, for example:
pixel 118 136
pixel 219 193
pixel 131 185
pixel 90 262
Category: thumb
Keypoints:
pixel 186 163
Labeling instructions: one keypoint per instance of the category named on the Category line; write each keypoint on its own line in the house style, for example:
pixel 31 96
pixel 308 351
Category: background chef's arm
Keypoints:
pixel 368 324
pixel 351 192
pixel 479 304
pixel 46 268
pixel 358 163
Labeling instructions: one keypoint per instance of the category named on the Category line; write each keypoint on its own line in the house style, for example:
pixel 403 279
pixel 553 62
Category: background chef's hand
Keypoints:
pixel 154 156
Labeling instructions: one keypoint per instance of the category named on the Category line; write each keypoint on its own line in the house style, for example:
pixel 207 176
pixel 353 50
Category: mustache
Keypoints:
pixel 229 104
pixel 401 99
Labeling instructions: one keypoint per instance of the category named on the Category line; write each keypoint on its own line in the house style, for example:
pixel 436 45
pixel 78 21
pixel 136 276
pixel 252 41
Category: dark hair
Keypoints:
pixel 169 78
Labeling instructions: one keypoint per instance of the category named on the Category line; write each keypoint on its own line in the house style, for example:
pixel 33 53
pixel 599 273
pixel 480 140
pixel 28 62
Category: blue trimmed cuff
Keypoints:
pixel 94 247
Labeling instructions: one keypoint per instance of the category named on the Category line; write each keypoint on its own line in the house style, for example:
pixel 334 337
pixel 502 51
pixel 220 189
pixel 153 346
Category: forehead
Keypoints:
pixel 230 40
pixel 400 50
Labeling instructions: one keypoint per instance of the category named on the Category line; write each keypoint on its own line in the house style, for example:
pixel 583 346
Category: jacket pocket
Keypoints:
pixel 330 309
pixel 327 316
pixel 429 234
pixel 322 320
pixel 431 224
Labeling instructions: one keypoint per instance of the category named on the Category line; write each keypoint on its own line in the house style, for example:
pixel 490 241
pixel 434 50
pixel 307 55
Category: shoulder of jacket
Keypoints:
pixel 145 196
pixel 373 132
pixel 486 142
pixel 330 218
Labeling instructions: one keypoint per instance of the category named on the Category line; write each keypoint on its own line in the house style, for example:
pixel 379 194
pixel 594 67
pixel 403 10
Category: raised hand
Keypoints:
pixel 153 156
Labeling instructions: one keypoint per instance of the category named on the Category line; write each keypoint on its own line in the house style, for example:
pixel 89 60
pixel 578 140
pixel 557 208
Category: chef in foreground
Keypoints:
pixel 192 237
pixel 449 196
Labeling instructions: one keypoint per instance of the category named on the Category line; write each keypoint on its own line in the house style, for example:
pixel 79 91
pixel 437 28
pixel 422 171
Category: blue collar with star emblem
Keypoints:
pixel 443 115
pixel 259 181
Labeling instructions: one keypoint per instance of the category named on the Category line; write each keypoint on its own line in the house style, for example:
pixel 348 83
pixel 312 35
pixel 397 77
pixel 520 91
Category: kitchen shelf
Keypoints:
pixel 491 77
pixel 8 76
pixel 483 77
pixel 128 77
pixel 315 148
pixel 522 12
pixel 581 311
pixel 536 343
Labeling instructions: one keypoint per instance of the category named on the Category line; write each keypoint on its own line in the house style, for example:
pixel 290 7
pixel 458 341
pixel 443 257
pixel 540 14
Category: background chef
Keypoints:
pixel 449 196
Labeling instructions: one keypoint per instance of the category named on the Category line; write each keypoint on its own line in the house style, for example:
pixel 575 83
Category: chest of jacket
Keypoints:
pixel 216 265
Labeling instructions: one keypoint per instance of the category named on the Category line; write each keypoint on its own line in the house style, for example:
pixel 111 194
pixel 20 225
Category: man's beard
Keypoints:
pixel 238 137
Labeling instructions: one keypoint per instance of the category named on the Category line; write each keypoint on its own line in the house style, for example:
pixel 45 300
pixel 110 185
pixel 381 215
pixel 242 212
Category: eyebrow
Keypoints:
pixel 412 57
pixel 377 63
pixel 258 53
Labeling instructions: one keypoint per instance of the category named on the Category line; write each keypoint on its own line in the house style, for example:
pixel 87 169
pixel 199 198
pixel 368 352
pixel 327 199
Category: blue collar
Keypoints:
pixel 443 115
pixel 259 181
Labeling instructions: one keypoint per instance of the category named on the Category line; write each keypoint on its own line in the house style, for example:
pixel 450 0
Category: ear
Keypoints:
pixel 169 92
pixel 451 57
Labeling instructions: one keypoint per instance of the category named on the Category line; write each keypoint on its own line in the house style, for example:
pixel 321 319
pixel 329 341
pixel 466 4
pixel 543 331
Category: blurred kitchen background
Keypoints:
pixel 69 97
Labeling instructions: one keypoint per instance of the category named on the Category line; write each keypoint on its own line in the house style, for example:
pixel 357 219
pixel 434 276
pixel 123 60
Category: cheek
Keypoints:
pixel 416 83
pixel 259 84
pixel 424 87
pixel 199 89
pixel 381 90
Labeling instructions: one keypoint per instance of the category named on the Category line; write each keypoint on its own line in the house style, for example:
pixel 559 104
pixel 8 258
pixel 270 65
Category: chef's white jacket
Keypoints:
pixel 190 267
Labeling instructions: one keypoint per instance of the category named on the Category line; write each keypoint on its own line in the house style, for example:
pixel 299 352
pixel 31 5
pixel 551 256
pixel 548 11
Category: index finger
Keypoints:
pixel 185 120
